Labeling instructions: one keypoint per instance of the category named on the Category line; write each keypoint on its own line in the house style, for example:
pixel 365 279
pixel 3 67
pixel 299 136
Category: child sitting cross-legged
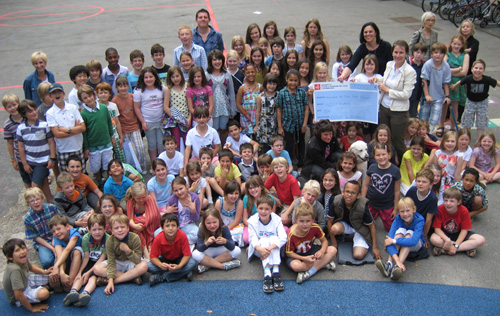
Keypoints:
pixel 20 286
pixel 215 247
pixel 72 202
pixel 123 251
pixel 452 227
pixel 304 256
pixel 94 251
pixel 225 172
pixel 267 235
pixel 406 235
pixel 473 195
pixel 170 253
pixel 67 242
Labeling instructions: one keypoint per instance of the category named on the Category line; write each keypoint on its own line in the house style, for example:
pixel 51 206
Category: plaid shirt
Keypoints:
pixel 37 223
pixel 293 109
pixel 468 197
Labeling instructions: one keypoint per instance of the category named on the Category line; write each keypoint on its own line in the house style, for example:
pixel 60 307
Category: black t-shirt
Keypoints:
pixel 477 90
pixel 425 206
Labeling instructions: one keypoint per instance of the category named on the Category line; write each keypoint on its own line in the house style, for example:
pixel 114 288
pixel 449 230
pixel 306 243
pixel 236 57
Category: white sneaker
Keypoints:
pixel 302 276
pixel 331 266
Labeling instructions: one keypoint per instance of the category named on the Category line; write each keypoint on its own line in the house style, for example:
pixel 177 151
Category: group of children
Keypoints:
pixel 203 205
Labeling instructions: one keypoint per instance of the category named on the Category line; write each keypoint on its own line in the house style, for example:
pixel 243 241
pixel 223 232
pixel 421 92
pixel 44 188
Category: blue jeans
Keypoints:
pixel 431 112
pixel 174 275
pixel 47 258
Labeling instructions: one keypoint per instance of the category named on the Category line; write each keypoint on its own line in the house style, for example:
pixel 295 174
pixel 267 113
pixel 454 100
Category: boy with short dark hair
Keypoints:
pixel 158 54
pixel 11 104
pixel 436 76
pixel 235 139
pixel 452 227
pixel 225 172
pixel 95 72
pixel 83 182
pixel 129 122
pixel 67 125
pixel 72 203
pixel 67 242
pixel 277 44
pixel 424 198
pixel 170 253
pixel 200 136
pixel 114 69
pixel 173 158
pixel 304 255
pixel 94 252
pixel 206 158
pixel 247 163
pixel 418 52
pixel 137 62
pixel 20 286
pixel 37 148
pixel 36 223
pixel 124 252
pixel 79 75
pixel 98 138
pixel 473 195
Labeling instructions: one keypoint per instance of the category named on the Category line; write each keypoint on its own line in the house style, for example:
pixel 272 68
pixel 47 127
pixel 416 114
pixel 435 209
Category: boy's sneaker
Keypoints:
pixel 156 278
pixel 277 282
pixel 202 268
pixel 331 266
pixel 267 285
pixel 189 276
pixel 71 298
pixel 228 265
pixel 302 276
pixel 83 300
pixel 396 273
pixel 385 269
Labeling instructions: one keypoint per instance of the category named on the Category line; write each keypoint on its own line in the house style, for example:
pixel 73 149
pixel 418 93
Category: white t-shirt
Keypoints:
pixel 194 139
pixel 173 164
pixel 235 145
pixel 465 155
pixel 73 98
pixel 65 118
pixel 151 104
pixel 203 184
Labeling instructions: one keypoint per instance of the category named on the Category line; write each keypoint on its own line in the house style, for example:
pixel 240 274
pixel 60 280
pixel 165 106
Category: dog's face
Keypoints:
pixel 360 149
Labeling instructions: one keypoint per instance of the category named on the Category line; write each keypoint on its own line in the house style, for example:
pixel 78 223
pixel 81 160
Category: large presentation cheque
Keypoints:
pixel 346 101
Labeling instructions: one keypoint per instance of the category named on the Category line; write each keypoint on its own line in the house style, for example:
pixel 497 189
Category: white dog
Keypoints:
pixel 360 149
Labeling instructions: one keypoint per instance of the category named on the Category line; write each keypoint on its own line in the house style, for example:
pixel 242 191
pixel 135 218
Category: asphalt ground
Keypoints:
pixel 74 32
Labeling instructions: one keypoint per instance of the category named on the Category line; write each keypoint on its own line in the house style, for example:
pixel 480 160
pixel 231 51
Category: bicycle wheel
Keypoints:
pixel 462 13
pixel 445 8
pixel 495 14
pixel 430 5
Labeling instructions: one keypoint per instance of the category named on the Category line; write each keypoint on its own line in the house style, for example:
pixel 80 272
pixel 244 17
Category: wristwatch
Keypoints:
pixel 457 245
pixel 69 130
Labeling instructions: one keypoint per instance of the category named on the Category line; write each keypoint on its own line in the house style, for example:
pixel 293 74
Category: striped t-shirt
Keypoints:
pixel 35 138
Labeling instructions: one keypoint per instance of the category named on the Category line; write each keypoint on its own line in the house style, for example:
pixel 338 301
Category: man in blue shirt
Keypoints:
pixel 205 35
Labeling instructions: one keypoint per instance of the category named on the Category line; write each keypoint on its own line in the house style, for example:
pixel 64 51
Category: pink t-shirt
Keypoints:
pixel 199 96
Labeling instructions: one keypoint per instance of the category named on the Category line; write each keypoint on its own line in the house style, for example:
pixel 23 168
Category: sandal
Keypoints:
pixel 471 253
pixel 267 285
pixel 437 251
pixel 440 131
pixel 277 282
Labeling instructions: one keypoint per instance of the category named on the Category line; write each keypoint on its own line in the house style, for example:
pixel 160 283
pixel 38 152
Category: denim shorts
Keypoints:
pixel 39 174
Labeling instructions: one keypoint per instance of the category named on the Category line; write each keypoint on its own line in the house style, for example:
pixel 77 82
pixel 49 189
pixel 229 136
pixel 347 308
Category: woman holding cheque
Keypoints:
pixel 395 90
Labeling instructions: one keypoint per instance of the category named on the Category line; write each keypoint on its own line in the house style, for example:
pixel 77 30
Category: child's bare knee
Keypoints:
pixel 43 294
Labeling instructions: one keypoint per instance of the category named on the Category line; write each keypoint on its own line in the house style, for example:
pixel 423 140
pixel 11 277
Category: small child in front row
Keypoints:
pixel 94 251
pixel 452 227
pixel 382 185
pixel 123 251
pixel 20 286
pixel 215 247
pixel 267 235
pixel 69 253
pixel 476 106
pixel 473 195
pixel 406 235
pixel 170 254
pixel 304 256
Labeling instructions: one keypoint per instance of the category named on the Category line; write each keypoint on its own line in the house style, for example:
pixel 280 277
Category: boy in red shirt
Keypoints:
pixel 452 227
pixel 170 253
